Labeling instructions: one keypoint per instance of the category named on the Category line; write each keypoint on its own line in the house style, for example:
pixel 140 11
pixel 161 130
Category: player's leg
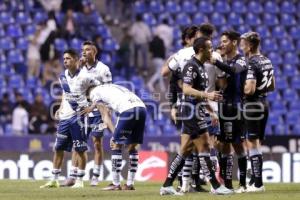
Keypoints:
pixel 240 151
pixel 70 181
pixel 98 159
pixel 63 143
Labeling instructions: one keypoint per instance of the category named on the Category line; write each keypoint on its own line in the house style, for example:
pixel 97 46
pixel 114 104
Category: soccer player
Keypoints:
pixel 193 113
pixel 129 130
pixel 230 114
pixel 100 72
pixel 259 81
pixel 71 130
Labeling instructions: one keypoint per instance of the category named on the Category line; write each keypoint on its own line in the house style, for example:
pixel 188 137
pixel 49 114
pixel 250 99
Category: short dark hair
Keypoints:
pixel 232 35
pixel 253 38
pixel 72 52
pixel 188 32
pixel 207 29
pixel 88 42
pixel 200 43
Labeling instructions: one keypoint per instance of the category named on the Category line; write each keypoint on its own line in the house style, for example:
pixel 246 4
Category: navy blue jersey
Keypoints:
pixel 195 75
pixel 235 80
pixel 260 69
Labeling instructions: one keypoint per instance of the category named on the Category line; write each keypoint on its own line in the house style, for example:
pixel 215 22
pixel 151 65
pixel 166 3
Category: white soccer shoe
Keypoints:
pixel 94 181
pixel 51 184
pixel 241 189
pixel 222 190
pixel 252 188
pixel 78 184
pixel 169 191
pixel 185 188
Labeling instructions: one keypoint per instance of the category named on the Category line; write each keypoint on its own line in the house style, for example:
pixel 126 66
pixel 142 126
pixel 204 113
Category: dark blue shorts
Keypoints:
pixel 71 134
pixel 130 126
pixel 95 126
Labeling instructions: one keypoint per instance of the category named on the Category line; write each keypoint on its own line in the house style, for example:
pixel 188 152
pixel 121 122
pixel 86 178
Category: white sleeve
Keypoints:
pixel 106 76
pixel 174 62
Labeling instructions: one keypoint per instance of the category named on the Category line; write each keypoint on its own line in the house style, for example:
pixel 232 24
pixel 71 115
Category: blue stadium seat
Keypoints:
pixel 217 19
pixel 2 57
pixel 15 57
pixel 238 7
pixel 271 7
pixel 291 58
pixel 252 19
pixel 274 119
pixel 6 43
pixel 149 19
pixel 296 129
pixel 8 130
pixel 23 18
pixel 176 33
pixel 281 83
pixel 274 96
pixel 106 58
pixel 188 7
pixel 16 81
pixel 255 7
pixel 177 45
pixel 14 31
pixel 286 45
pixel 269 44
pixel 6 18
pixel 263 31
pixel 60 44
pixel 298 44
pixel 268 130
pixel 294 106
pixel 163 16
pixel 172 7
pixel 278 107
pixel 2 32
pixel 29 29
pixel 2 82
pixel 288 20
pixel 222 7
pixel 290 70
pixel 281 129
pixel 169 129
pixel 6 69
pixel 110 45
pixel 295 82
pixel 290 95
pixel 103 31
pixel 275 58
pixel 183 19
pixel 243 28
pixel 199 18
pixel 278 32
pixel 22 43
pixel 75 43
pixel 153 130
pixel 235 19
pixel 295 32
pixel 270 19
pixel 40 17
pixel 287 7
pixel 156 7
pixel 292 118
pixel 205 7
pixel 139 7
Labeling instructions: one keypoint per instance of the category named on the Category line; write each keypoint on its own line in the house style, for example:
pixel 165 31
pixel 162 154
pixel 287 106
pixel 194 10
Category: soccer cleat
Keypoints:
pixel 222 190
pixel 51 184
pixel 128 187
pixel 68 182
pixel 169 191
pixel 78 184
pixel 185 187
pixel 241 189
pixel 252 188
pixel 94 181
pixel 112 187
pixel 197 188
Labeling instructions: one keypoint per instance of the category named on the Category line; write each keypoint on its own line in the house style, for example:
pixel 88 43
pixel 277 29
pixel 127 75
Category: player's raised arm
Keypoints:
pixel 106 117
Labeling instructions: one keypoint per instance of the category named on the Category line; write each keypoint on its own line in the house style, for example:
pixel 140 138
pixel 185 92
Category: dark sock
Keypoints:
pixel 242 162
pixel 179 177
pixel 228 171
pixel 175 167
pixel 207 168
pixel 256 161
pixel 223 164
pixel 196 170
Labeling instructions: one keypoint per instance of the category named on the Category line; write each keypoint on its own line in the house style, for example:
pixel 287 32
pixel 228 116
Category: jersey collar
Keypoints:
pixel 92 66
pixel 75 74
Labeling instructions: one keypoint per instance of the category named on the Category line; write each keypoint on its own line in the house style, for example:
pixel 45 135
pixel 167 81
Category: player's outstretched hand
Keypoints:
pixel 214 96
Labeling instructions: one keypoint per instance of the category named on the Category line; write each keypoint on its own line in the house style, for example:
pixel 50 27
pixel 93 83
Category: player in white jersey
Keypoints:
pixel 71 133
pixel 129 129
pixel 100 72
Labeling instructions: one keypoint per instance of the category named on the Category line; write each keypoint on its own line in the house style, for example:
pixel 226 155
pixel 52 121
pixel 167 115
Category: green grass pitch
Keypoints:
pixel 23 190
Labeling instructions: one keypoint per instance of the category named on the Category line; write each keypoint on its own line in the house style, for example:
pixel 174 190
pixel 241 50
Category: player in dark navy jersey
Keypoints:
pixel 259 81
pixel 230 114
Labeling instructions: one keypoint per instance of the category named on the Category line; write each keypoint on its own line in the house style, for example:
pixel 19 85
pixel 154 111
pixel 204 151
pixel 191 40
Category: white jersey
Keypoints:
pixel 180 58
pixel 100 72
pixel 115 97
pixel 74 92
